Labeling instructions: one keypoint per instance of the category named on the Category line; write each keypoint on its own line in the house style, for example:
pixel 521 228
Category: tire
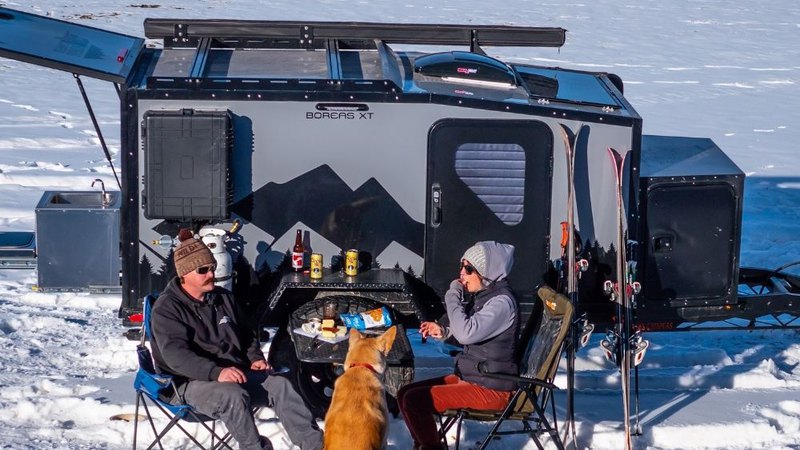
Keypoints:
pixel 314 382
pixel 397 377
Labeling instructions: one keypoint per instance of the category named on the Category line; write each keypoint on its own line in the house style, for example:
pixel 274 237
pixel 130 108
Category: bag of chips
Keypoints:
pixel 378 317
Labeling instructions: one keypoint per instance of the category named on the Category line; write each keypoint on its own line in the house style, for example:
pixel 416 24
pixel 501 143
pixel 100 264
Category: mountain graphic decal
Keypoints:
pixel 368 218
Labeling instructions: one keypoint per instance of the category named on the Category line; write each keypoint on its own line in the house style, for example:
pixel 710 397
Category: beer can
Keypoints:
pixel 351 262
pixel 316 265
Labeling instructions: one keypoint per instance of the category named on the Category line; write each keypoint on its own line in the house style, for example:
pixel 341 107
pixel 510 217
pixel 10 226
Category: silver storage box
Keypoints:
pixel 78 241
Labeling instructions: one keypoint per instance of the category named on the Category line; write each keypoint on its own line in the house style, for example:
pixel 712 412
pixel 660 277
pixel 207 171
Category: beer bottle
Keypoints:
pixel 297 252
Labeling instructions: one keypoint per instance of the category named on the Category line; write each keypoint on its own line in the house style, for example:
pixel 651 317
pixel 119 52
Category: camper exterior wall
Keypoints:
pixel 292 165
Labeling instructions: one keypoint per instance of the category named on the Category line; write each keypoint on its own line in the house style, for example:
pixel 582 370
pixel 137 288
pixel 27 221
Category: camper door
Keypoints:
pixel 489 180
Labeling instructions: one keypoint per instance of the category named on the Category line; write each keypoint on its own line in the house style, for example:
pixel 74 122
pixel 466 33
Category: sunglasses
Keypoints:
pixel 205 269
pixel 468 269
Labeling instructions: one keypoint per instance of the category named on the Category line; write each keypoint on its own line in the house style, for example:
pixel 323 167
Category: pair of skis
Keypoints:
pixel 622 345
pixel 570 268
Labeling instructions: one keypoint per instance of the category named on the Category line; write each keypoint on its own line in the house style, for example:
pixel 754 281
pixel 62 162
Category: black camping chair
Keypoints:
pixel 538 362
pixel 157 389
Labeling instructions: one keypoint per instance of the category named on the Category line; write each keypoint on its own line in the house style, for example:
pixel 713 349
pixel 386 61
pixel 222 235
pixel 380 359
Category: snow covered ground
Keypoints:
pixel 725 70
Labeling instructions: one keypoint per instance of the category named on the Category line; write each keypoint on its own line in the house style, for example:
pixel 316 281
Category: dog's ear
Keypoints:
pixel 355 335
pixel 386 340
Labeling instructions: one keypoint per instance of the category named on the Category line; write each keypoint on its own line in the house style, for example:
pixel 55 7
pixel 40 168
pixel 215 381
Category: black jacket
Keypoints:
pixel 195 340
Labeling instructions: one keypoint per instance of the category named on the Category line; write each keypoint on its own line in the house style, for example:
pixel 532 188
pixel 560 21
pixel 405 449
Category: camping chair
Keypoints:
pixel 538 362
pixel 157 389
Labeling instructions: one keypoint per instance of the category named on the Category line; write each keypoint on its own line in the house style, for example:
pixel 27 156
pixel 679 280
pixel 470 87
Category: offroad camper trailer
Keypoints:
pixel 353 134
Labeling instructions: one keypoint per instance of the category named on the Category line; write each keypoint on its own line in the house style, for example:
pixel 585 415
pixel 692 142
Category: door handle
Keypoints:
pixel 436 205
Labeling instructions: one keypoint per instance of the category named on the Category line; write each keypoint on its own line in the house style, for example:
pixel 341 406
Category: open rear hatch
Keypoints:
pixel 66 46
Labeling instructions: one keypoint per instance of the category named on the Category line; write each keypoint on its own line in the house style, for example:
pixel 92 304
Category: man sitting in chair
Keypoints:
pixel 482 316
pixel 216 361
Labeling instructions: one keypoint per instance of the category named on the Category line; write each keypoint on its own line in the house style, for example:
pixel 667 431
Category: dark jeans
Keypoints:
pixel 421 400
pixel 232 403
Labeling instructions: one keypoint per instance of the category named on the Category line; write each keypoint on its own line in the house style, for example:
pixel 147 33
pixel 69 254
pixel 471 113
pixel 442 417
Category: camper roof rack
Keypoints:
pixel 306 34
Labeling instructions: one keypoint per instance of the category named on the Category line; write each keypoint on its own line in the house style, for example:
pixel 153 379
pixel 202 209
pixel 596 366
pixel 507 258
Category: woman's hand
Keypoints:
pixel 458 284
pixel 431 329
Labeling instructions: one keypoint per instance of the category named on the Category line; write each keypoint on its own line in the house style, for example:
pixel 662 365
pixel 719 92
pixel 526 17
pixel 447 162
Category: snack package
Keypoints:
pixel 378 317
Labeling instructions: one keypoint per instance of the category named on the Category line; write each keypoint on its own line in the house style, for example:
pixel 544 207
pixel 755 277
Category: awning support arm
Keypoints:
pixel 97 127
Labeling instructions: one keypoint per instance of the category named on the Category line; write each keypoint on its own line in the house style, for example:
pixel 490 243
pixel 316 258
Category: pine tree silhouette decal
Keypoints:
pixel 286 262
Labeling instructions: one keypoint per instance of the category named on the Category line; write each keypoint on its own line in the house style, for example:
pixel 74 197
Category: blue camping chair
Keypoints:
pixel 157 389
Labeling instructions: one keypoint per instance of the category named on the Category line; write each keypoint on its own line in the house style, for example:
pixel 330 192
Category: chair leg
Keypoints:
pixel 526 427
pixel 506 412
pixel 159 436
pixel 136 419
pixel 175 422
pixel 217 442
pixel 555 419
pixel 543 425
pixel 459 420
pixel 152 426
pixel 210 429
pixel 444 426
pixel 223 441
pixel 554 436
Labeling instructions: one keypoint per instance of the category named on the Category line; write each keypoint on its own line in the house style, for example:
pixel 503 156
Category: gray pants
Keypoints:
pixel 231 403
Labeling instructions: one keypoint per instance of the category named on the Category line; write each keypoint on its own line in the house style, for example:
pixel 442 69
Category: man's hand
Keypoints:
pixel 231 375
pixel 431 329
pixel 260 366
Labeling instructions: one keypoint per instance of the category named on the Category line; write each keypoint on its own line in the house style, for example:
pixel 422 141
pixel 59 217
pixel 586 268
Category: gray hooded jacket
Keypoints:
pixel 486 323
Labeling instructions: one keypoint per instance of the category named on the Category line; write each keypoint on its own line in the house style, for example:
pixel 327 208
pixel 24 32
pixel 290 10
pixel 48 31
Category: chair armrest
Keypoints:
pixel 153 384
pixel 176 391
pixel 482 368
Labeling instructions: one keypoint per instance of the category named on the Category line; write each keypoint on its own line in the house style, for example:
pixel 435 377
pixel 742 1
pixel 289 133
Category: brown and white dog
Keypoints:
pixel 358 418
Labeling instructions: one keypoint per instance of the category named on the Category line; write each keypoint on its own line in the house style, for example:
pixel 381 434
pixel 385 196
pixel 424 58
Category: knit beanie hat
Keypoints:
pixel 477 256
pixel 191 254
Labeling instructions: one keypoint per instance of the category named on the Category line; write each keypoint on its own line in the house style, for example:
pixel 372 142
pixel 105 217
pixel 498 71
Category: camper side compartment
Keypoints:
pixel 691 222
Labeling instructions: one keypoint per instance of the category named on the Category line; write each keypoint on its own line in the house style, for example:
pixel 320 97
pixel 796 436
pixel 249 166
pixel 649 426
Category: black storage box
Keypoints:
pixel 186 156
pixel 690 197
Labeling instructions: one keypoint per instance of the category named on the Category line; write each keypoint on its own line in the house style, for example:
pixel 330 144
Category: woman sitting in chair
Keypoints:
pixel 482 315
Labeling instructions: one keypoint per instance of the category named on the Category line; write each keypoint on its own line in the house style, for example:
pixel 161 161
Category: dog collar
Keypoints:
pixel 363 364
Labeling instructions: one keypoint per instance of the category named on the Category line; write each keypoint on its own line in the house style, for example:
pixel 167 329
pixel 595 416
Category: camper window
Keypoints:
pixel 496 174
